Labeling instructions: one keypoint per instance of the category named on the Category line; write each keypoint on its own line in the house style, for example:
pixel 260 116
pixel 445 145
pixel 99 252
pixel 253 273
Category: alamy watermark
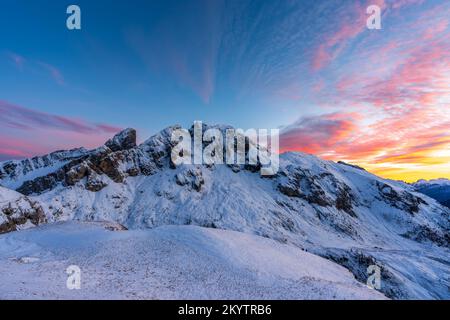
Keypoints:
pixel 74 279
pixel 227 146
pixel 374 20
pixel 374 278
pixel 73 22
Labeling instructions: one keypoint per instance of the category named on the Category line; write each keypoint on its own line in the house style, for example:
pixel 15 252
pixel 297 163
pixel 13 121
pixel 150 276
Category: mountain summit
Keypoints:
pixel 335 210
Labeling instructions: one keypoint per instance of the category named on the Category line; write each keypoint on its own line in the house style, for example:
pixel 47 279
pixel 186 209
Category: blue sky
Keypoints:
pixel 311 67
pixel 161 61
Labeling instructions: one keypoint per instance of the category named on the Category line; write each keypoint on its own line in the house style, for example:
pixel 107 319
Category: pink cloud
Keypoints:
pixel 17 59
pixel 25 132
pixel 353 22
pixel 402 3
pixel 416 80
pixel 317 134
pixel 54 72
pixel 411 137
pixel 22 118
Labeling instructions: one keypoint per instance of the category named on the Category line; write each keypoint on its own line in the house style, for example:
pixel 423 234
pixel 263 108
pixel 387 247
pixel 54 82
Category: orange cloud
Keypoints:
pixel 416 141
pixel 316 134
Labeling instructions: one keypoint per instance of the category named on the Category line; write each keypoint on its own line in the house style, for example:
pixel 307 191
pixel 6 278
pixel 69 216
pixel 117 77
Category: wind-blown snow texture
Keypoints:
pixel 170 262
pixel 334 210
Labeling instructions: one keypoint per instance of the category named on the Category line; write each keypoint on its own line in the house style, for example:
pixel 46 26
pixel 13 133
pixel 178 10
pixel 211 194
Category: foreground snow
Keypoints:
pixel 170 262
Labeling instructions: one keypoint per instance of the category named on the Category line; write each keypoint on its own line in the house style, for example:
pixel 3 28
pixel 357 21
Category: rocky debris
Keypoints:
pixel 357 261
pixel 95 182
pixel 111 225
pixel 19 212
pixel 191 177
pixel 301 183
pixel 423 233
pixel 402 200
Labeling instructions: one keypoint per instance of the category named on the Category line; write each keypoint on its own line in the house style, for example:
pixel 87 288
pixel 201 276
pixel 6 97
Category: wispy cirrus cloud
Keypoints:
pixel 398 84
pixel 350 22
pixel 17 59
pixel 26 132
pixel 18 117
pixel 190 49
pixel 54 72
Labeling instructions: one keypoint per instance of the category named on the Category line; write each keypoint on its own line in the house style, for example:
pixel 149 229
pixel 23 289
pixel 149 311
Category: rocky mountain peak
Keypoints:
pixel 124 140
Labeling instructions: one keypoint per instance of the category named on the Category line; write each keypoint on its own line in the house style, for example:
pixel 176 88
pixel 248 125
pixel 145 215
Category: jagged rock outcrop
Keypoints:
pixel 18 211
pixel 117 159
pixel 12 172
pixel 124 140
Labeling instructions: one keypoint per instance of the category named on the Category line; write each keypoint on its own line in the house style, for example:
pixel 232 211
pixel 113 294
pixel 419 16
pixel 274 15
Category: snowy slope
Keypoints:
pixel 171 262
pixel 334 210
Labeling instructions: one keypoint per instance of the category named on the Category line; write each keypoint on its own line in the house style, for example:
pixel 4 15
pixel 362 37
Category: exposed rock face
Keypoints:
pixel 424 233
pixel 124 140
pixel 301 183
pixel 18 212
pixel 119 158
pixel 358 261
pixel 400 199
pixel 11 171
pixel 191 177
pixel 109 160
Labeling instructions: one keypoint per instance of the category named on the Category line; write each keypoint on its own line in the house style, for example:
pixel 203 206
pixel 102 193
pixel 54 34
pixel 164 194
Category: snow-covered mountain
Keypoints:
pixel 335 210
pixel 438 189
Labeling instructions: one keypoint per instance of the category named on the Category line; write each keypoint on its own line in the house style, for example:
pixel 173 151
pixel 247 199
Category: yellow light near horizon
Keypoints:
pixel 412 173
pixel 441 153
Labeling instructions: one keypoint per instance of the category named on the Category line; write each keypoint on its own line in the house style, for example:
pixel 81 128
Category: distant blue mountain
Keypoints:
pixel 438 189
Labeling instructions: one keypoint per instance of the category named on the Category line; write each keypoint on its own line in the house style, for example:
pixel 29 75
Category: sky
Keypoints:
pixel 376 98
